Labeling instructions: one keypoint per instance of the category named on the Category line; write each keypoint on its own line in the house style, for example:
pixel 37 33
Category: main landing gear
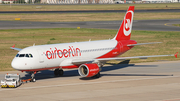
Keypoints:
pixel 33 76
pixel 58 72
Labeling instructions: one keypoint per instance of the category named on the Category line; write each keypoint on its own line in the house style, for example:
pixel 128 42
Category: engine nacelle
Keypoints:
pixel 88 70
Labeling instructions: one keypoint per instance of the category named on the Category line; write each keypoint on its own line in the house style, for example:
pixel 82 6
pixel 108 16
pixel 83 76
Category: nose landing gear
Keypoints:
pixel 57 72
pixel 33 76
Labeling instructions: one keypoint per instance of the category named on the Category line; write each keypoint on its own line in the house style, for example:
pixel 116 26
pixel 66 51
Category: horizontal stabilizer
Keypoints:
pixel 143 43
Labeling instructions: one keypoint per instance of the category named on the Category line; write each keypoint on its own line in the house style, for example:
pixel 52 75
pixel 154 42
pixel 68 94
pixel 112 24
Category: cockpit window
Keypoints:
pixel 24 55
pixel 27 55
pixel 30 55
pixel 21 55
pixel 17 55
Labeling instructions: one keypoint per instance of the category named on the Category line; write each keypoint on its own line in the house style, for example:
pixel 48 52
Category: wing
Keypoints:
pixel 143 43
pixel 81 61
pixel 13 47
pixel 135 57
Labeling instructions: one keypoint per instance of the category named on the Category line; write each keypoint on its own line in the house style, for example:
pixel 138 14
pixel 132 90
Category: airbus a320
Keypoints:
pixel 88 57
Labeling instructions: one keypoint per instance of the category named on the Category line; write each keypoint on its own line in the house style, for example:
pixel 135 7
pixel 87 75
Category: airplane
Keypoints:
pixel 88 57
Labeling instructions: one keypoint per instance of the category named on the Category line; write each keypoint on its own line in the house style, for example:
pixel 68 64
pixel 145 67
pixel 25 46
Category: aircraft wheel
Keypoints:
pixel 33 80
pixel 61 72
pixel 56 72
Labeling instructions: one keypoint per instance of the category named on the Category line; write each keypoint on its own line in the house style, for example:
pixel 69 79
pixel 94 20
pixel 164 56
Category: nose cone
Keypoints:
pixel 15 64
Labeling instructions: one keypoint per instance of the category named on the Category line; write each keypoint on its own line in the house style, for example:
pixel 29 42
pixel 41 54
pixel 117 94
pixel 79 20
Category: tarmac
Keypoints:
pixel 154 81
pixel 150 25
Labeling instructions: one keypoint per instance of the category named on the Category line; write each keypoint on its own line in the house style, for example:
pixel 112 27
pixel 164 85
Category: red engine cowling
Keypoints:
pixel 88 70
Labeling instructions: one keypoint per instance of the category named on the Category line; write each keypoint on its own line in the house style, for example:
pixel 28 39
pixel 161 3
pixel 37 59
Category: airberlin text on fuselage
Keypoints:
pixel 58 53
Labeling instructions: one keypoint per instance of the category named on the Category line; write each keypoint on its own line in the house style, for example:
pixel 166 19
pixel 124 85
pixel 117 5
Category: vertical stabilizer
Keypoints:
pixel 124 32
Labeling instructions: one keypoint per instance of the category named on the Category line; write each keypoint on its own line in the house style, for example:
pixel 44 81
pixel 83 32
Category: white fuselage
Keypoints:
pixel 42 57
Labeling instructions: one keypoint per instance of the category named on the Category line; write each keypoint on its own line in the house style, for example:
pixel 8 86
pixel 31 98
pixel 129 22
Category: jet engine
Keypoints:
pixel 88 70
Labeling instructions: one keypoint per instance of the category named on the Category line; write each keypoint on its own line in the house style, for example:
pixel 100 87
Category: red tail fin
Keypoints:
pixel 124 32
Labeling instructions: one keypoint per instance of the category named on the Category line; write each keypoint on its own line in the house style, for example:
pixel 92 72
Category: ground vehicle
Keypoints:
pixel 11 81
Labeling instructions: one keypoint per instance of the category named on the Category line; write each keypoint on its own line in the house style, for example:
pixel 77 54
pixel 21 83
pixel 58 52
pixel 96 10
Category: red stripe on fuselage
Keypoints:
pixel 63 67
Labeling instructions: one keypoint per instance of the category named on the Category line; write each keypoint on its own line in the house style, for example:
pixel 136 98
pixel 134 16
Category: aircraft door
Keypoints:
pixel 41 59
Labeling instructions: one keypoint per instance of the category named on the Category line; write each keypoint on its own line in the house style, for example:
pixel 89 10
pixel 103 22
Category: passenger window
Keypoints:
pixel 17 55
pixel 30 55
pixel 21 55
pixel 27 55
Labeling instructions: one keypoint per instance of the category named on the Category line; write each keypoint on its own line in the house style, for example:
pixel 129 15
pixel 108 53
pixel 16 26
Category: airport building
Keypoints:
pixel 93 1
pixel 160 1
pixel 146 1
pixel 77 1
pixel 7 1
pixel 104 1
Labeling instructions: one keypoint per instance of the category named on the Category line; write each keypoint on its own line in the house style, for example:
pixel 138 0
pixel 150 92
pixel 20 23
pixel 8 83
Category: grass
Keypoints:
pixel 87 16
pixel 27 37
pixel 178 25
pixel 88 7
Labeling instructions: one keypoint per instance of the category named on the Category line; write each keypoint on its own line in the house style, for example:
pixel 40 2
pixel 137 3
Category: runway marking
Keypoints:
pixel 166 24
pixel 87 83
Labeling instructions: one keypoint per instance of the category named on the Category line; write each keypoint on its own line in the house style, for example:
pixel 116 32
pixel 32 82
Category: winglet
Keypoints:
pixel 13 46
pixel 176 54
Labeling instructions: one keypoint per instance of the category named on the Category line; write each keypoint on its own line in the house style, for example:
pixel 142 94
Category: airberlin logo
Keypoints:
pixel 93 70
pixel 58 53
pixel 128 23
